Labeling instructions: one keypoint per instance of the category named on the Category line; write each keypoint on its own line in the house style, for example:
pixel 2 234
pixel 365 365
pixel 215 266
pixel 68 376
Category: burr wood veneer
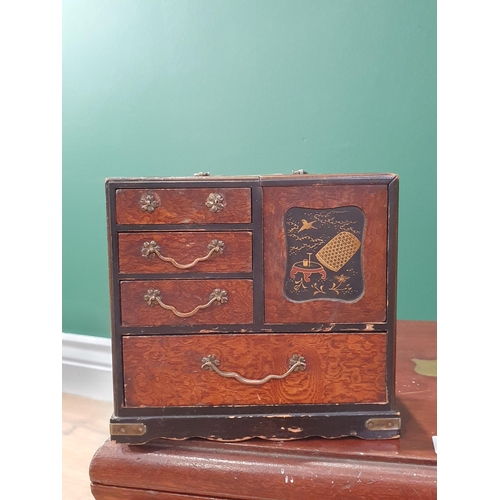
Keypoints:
pixel 253 306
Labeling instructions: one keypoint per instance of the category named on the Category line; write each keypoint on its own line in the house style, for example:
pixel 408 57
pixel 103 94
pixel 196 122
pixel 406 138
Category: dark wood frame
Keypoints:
pixel 218 422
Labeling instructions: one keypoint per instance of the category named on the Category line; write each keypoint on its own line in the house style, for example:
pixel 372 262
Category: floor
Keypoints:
pixel 85 426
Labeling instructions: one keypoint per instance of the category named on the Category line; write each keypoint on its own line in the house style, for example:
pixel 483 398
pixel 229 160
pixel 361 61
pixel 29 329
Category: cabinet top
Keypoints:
pixel 273 179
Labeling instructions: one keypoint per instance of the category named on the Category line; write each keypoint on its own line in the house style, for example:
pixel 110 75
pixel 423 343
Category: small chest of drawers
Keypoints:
pixel 258 306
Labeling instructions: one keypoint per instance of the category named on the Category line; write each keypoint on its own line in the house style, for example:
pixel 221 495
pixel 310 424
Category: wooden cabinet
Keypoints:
pixel 256 306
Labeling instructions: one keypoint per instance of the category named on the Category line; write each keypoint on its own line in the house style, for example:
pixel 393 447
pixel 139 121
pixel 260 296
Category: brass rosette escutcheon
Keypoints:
pixel 215 202
pixel 149 202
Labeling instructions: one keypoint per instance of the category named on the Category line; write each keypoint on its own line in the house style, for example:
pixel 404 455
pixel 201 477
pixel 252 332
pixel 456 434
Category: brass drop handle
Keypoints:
pixel 150 249
pixel 211 363
pixel 217 297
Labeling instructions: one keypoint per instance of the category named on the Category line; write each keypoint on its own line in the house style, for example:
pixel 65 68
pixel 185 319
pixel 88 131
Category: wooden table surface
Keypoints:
pixel 302 469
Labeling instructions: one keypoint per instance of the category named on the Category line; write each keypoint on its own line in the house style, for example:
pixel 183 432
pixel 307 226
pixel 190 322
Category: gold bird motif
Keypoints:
pixel 307 225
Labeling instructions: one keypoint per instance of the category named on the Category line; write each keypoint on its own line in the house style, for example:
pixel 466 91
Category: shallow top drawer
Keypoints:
pixel 183 206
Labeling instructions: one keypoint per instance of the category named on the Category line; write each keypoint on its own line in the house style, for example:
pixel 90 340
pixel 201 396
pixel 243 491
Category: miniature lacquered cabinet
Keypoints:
pixel 259 306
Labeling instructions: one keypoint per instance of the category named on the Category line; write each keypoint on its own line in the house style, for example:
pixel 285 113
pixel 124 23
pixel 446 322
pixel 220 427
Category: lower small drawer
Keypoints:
pixel 186 302
pixel 254 369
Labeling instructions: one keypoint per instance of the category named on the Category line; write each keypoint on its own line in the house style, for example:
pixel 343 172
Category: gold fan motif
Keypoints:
pixel 338 251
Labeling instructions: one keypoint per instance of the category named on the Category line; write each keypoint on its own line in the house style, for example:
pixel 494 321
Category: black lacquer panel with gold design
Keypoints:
pixel 324 254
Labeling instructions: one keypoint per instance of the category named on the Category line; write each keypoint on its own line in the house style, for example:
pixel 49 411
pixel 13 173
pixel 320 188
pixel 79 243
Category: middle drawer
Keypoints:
pixel 188 251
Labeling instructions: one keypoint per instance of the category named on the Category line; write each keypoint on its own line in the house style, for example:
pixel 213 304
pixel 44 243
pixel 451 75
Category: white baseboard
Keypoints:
pixel 86 366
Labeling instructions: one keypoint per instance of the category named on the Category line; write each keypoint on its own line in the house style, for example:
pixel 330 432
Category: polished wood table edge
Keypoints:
pixel 219 474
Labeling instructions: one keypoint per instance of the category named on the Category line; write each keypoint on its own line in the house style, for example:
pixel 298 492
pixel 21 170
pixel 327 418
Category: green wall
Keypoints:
pixel 172 87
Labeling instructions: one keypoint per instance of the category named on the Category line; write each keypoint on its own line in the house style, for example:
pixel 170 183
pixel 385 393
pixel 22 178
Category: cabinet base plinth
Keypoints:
pixel 366 425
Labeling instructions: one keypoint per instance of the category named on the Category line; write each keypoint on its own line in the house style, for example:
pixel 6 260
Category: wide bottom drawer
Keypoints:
pixel 254 369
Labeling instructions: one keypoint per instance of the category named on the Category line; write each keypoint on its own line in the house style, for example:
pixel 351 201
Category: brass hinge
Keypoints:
pixel 383 424
pixel 127 429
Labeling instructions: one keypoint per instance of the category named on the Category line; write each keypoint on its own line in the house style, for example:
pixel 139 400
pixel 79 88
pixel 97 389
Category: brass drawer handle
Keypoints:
pixel 215 202
pixel 217 296
pixel 211 363
pixel 151 248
